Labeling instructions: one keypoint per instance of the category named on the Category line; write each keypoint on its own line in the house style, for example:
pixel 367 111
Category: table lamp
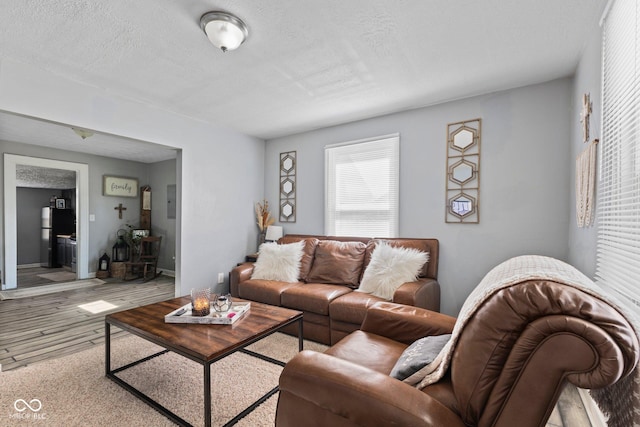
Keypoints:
pixel 274 232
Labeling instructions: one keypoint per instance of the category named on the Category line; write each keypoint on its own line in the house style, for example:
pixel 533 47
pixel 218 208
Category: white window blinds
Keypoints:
pixel 361 188
pixel 618 254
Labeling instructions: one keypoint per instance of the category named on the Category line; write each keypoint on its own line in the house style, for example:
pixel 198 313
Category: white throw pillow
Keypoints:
pixel 278 262
pixel 389 268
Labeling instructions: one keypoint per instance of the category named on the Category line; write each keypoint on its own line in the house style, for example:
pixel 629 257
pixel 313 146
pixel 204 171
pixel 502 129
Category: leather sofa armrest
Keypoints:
pixel 424 293
pixel 238 275
pixel 318 389
pixel 405 323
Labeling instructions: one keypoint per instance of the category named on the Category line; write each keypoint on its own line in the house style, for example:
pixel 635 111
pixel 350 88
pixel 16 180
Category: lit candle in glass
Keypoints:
pixel 200 300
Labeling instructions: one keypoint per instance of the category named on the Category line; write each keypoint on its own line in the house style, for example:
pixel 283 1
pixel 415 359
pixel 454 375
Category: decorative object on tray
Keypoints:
pixel 200 302
pixel 184 314
pixel 221 303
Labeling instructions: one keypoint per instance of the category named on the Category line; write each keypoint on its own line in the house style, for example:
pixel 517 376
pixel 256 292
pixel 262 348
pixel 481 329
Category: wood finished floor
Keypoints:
pixel 30 277
pixel 49 326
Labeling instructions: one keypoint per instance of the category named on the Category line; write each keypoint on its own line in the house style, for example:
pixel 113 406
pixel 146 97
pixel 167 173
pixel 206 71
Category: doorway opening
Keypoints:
pixel 12 163
pixel 46 226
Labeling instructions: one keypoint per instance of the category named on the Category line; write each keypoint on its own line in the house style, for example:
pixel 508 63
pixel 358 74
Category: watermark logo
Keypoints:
pixel 28 410
pixel 21 405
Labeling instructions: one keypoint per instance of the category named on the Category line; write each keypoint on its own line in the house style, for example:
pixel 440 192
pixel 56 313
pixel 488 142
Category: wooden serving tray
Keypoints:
pixel 235 313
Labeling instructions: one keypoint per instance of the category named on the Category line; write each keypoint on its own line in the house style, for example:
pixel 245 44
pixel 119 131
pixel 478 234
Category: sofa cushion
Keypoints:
pixel 308 252
pixel 264 291
pixel 338 263
pixel 369 350
pixel 278 262
pixel 419 244
pixel 312 297
pixel 389 268
pixel 351 307
pixel 418 355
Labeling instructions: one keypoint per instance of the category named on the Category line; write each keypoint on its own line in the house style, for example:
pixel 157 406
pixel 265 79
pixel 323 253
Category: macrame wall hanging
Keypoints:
pixel 586 170
pixel 586 184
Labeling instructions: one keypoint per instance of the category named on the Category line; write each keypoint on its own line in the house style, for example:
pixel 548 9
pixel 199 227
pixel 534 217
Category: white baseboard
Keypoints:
pixel 170 273
pixel 21 266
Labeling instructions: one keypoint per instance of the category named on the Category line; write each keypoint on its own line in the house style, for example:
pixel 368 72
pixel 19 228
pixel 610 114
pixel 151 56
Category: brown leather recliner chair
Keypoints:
pixel 508 369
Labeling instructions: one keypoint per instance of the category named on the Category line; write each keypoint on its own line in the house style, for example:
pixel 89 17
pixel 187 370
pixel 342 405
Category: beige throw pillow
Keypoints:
pixel 389 268
pixel 278 262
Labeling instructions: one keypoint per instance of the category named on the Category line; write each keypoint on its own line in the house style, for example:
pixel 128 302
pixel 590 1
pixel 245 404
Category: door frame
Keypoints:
pixel 10 250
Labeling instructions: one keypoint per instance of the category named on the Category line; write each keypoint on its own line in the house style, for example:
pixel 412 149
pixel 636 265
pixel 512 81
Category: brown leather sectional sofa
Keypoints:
pixel 331 268
pixel 508 368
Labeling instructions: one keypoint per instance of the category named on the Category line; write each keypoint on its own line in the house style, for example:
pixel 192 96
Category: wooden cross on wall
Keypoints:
pixel 120 208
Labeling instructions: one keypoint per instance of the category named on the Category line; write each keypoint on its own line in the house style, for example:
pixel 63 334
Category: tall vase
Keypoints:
pixel 261 238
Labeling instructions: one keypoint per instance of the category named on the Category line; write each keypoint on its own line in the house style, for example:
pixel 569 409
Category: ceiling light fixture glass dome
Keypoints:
pixel 225 31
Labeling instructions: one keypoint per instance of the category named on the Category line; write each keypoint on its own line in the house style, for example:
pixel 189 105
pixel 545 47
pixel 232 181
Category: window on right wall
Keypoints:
pixel 618 253
pixel 361 187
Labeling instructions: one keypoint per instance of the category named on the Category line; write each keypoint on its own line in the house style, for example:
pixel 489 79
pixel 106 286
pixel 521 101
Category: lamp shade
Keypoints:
pixel 274 232
pixel 225 31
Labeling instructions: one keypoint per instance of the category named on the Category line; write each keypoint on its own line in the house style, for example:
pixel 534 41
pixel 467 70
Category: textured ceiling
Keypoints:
pixel 37 177
pixel 306 64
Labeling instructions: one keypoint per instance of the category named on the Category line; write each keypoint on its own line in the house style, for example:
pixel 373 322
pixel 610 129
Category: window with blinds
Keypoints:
pixel 618 253
pixel 361 188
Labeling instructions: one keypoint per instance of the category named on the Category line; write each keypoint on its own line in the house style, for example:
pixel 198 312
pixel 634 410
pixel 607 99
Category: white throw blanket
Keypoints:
pixel 532 267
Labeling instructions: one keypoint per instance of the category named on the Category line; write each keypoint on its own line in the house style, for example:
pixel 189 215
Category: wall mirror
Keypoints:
pixel 288 165
pixel 463 172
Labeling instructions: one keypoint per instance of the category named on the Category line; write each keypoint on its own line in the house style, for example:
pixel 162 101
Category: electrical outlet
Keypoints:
pixel 220 277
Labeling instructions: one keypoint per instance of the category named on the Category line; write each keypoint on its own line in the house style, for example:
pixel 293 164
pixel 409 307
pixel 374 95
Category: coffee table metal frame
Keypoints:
pixel 111 373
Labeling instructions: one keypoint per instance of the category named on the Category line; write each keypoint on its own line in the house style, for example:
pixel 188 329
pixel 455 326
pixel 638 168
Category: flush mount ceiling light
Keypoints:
pixel 224 30
pixel 82 133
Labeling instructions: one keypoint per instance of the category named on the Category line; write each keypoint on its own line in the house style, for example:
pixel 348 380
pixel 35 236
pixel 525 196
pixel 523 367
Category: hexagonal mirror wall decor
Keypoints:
pixel 288 166
pixel 463 138
pixel 463 172
pixel 287 186
pixel 462 205
pixel 287 163
pixel 287 210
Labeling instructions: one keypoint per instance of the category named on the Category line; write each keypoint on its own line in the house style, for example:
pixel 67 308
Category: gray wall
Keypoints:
pixel 30 202
pixel 582 241
pixel 524 193
pixel 102 232
pixel 162 174
pixel 157 175
pixel 220 172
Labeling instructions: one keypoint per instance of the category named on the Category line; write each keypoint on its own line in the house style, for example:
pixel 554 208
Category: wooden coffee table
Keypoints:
pixel 198 343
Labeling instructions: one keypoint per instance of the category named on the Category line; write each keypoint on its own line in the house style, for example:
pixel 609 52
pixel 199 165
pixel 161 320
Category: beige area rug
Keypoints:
pixel 73 391
pixel 48 289
pixel 59 276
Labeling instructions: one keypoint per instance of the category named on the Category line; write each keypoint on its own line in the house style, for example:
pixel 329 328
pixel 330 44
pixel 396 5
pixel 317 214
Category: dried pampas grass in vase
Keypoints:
pixel 264 220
